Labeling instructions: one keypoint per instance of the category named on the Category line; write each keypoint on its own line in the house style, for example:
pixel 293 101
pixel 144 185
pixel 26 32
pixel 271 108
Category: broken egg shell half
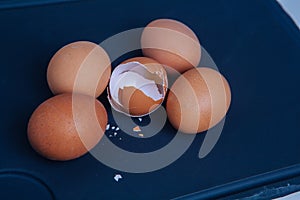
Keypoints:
pixel 137 86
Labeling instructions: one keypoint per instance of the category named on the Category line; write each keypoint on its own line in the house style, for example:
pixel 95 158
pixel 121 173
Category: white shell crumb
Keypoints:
pixel 140 119
pixel 117 177
pixel 113 127
pixel 107 126
pixel 117 128
pixel 120 138
pixel 115 134
pixel 110 136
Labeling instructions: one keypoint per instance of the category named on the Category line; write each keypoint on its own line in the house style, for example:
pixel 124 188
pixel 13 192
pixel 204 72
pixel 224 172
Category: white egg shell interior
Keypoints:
pixel 137 75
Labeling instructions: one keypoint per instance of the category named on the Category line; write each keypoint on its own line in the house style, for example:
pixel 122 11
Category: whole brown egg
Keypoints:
pixel 67 126
pixel 82 67
pixel 172 44
pixel 198 100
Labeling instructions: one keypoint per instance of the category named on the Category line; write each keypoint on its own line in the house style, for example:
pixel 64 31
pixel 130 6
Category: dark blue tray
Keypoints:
pixel 255 45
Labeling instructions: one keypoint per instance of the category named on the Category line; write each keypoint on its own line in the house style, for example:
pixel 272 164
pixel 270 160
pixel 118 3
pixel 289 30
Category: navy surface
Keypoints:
pixel 255 45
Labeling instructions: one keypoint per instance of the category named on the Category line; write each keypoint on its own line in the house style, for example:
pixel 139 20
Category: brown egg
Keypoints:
pixel 171 43
pixel 138 86
pixel 198 100
pixel 67 126
pixel 80 67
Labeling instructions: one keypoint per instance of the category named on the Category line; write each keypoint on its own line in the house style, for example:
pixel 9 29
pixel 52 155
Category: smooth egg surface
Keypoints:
pixel 66 126
pixel 172 44
pixel 198 100
pixel 81 67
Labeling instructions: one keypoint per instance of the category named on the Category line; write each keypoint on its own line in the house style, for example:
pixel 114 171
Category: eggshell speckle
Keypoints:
pixel 81 67
pixel 198 100
pixel 62 127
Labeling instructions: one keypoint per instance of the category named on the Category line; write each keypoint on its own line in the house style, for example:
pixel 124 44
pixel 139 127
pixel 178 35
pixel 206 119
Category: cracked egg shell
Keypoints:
pixel 137 86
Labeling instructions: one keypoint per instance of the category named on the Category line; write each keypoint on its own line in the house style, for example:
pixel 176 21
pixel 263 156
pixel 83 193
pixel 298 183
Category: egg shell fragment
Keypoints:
pixel 137 86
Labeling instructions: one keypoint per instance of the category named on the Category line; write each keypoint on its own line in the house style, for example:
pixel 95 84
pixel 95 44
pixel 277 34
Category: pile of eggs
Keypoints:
pixel 72 122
